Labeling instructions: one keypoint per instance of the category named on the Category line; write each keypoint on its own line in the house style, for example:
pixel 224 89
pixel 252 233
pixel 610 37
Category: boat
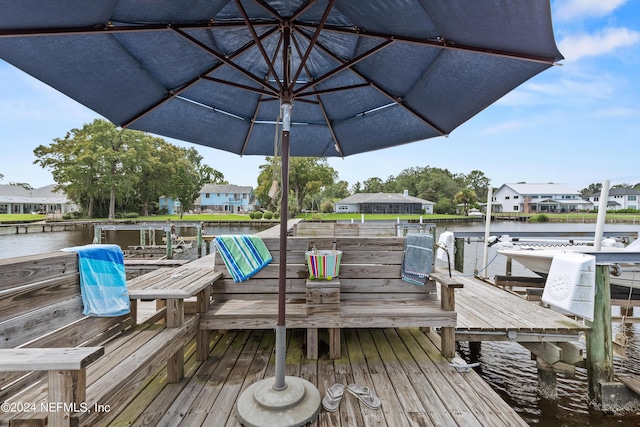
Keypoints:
pixel 538 259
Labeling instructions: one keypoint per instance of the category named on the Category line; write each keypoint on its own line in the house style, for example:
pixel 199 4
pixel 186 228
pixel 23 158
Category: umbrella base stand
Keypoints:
pixel 296 405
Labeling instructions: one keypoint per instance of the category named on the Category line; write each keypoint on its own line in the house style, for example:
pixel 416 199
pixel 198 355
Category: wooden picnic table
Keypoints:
pixel 174 285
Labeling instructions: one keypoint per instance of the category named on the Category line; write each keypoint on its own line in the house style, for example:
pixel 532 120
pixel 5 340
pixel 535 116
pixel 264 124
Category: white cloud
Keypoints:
pixel 567 10
pixel 504 127
pixel 605 42
pixel 617 112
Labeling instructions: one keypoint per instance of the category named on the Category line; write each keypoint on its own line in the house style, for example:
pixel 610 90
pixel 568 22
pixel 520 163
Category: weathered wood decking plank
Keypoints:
pixel 403 366
pixel 481 306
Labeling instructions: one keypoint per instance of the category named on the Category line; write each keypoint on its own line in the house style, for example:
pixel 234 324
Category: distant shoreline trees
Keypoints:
pixel 103 168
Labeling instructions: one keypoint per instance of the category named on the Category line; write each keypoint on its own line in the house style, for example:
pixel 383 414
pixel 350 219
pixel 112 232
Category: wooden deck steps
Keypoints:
pixel 404 367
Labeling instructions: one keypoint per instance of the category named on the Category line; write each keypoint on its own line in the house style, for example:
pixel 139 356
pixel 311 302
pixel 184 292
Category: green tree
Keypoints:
pixel 373 185
pixel 307 176
pixel 466 197
pixel 327 206
pixel 479 183
pixel 444 206
pixel 160 163
pixel 74 166
pixel 594 188
pixel 100 167
pixel 189 177
pixel 335 191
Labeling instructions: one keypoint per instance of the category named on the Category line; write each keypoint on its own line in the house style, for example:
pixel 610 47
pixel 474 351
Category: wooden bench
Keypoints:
pixel 369 293
pixel 59 367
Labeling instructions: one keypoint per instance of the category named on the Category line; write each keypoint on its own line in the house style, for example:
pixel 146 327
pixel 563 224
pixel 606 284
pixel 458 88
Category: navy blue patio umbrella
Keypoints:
pixel 340 76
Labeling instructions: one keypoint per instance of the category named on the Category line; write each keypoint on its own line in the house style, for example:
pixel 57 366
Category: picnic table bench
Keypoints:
pixel 58 365
pixel 368 293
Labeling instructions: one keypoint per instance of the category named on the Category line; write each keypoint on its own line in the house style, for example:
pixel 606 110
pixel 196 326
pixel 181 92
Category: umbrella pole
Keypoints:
pixel 280 401
pixel 281 328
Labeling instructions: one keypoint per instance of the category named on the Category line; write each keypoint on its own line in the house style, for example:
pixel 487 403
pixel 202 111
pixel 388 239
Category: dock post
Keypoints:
pixel 169 245
pixel 458 255
pixel 200 241
pixel 143 237
pixel 97 234
pixel 599 338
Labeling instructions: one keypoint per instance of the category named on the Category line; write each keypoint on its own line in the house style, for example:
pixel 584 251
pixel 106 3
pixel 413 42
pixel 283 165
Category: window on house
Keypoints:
pixel 516 208
pixel 206 196
pixel 506 197
pixel 516 197
pixel 631 197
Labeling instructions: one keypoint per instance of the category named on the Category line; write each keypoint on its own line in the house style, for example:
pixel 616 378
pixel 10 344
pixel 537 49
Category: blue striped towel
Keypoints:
pixel 103 283
pixel 243 255
pixel 417 259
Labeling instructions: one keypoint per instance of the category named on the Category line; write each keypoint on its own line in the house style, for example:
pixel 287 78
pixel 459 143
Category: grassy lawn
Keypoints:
pixel 11 218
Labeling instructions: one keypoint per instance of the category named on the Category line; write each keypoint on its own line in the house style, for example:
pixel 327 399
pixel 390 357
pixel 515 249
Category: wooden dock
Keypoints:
pixel 488 313
pixel 403 366
pixel 415 382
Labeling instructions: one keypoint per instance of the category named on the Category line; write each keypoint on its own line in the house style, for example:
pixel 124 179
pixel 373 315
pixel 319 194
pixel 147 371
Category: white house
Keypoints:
pixel 386 203
pixel 619 198
pixel 530 198
pixel 18 200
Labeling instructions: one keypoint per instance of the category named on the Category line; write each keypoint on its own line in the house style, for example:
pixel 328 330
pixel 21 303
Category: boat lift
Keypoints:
pixel 148 229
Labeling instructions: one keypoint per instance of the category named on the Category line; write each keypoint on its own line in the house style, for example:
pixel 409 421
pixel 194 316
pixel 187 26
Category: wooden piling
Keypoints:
pixel 169 245
pixel 599 338
pixel 458 256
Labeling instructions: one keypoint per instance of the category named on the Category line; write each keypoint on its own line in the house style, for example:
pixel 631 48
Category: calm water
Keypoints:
pixel 507 367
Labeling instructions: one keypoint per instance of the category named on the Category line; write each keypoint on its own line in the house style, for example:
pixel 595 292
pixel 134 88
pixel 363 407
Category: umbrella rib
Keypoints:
pixel 111 28
pixel 334 89
pixel 226 60
pixel 344 64
pixel 437 42
pixel 266 6
pixel 251 125
pixel 398 100
pixel 321 106
pixel 175 92
pixel 258 43
pixel 303 8
pixel 313 40
pixel 238 85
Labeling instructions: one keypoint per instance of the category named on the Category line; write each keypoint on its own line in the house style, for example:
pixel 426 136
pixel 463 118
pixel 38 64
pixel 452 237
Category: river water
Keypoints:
pixel 507 367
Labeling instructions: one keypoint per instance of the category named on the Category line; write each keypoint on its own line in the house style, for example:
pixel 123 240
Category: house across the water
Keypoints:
pixel 384 203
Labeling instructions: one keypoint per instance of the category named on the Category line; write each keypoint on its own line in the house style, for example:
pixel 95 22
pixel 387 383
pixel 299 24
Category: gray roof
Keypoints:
pixel 618 191
pixel 382 198
pixel 218 188
pixel 42 195
pixel 540 188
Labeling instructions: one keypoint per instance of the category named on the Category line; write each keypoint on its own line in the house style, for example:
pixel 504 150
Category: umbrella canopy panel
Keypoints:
pixel 361 76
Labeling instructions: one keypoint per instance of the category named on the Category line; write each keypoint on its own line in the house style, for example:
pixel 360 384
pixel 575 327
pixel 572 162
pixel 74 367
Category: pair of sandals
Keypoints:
pixel 332 398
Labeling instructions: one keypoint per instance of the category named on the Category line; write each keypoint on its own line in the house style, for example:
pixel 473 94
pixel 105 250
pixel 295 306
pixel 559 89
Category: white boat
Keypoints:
pixel 538 259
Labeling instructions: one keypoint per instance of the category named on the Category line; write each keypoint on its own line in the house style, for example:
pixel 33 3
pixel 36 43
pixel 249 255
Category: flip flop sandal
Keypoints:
pixel 365 395
pixel 331 400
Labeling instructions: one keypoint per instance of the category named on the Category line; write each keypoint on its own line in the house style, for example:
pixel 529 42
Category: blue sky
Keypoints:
pixel 575 124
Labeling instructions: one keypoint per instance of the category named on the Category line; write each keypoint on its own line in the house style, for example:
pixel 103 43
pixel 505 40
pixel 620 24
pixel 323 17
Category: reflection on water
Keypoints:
pixel 506 366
